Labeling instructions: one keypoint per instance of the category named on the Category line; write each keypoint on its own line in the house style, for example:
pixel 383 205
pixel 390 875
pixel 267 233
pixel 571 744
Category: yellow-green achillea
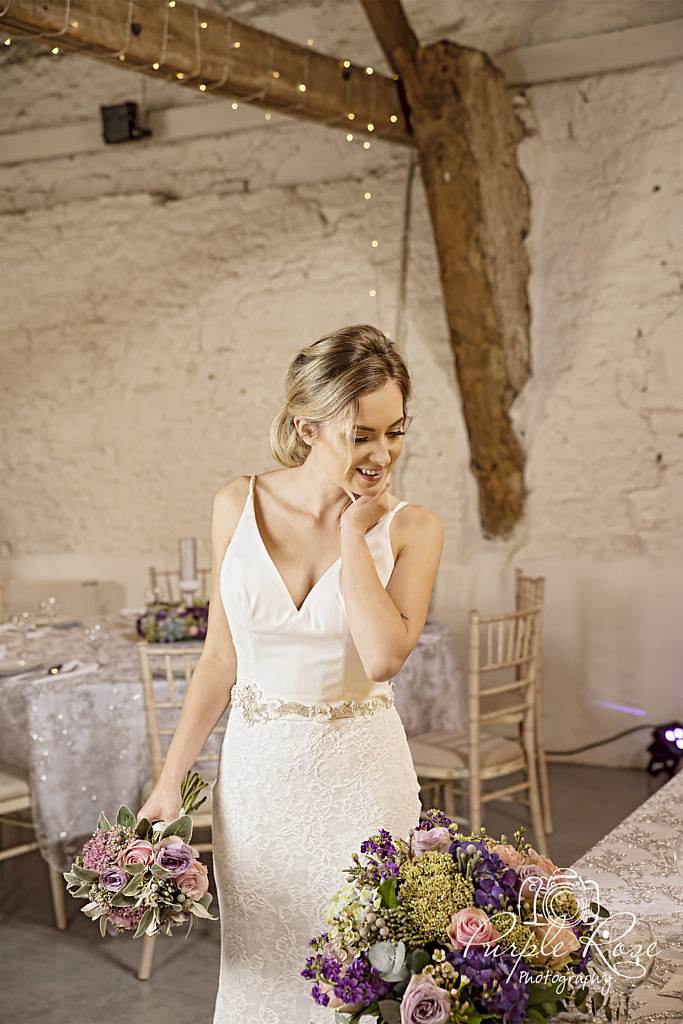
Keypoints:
pixel 430 891
pixel 519 936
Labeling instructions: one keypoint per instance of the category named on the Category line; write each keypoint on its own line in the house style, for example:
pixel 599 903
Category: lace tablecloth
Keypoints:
pixel 635 870
pixel 81 743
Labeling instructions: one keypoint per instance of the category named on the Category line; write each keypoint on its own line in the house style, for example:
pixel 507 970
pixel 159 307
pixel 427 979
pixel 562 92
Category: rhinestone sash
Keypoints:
pixel 254 707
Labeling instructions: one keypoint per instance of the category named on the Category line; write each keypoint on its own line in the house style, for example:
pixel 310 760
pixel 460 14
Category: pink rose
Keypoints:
pixel 138 851
pixel 471 927
pixel 509 855
pixel 195 881
pixel 556 943
pixel 428 839
pixel 534 857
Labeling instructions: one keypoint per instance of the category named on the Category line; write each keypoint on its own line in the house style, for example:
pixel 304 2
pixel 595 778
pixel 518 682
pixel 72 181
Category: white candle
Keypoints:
pixel 188 558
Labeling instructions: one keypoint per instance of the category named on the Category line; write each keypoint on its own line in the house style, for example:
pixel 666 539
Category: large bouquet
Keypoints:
pixel 144 877
pixel 446 928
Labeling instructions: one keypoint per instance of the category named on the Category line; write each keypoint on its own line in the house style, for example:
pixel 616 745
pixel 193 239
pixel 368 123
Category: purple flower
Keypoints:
pixel 113 879
pixel 174 855
pixel 424 1002
pixel 494 986
pixel 424 840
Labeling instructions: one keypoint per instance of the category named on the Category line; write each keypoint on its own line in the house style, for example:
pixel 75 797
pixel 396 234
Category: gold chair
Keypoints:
pixel 174 662
pixel 530 592
pixel 167 583
pixel 507 645
pixel 15 796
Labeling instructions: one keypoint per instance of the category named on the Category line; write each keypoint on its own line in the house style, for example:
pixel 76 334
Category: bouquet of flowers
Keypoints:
pixel 166 623
pixel 446 928
pixel 144 877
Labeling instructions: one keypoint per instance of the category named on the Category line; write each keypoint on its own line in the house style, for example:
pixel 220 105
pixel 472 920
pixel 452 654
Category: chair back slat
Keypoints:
pixel 164 667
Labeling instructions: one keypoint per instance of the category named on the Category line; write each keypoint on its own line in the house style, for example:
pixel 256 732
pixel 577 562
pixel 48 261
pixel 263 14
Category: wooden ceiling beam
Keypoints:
pixel 467 132
pixel 193 46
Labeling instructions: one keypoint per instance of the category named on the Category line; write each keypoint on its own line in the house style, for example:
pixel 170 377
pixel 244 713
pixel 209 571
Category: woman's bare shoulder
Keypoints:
pixel 417 521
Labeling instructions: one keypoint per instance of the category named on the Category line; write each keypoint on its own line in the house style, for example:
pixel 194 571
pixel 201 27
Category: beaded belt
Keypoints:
pixel 254 707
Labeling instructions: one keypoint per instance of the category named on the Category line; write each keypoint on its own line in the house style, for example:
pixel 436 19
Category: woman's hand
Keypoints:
pixel 164 803
pixel 363 512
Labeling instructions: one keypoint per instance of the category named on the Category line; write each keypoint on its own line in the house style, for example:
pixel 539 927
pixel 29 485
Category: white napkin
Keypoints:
pixel 68 670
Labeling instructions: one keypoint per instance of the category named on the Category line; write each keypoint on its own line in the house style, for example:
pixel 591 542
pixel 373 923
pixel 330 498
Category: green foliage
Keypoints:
pixel 125 817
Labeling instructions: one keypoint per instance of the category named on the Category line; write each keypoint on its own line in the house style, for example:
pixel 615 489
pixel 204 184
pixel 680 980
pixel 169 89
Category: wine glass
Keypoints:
pixel 49 609
pixel 24 623
pixel 97 637
pixel 630 950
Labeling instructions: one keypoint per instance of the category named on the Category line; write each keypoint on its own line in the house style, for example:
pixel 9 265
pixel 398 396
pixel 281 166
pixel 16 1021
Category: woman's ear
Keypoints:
pixel 306 430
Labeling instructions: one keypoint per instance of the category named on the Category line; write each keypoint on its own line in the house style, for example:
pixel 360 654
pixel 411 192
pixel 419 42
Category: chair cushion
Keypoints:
pixel 205 807
pixel 11 786
pixel 444 752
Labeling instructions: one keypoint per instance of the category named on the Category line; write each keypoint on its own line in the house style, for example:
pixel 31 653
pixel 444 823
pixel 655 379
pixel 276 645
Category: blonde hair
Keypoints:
pixel 323 383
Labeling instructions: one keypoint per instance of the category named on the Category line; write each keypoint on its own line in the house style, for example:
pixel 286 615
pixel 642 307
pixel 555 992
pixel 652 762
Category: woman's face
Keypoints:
pixel 378 440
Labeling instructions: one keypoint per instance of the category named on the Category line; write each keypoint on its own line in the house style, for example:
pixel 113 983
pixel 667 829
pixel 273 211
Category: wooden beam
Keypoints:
pixel 195 47
pixel 467 131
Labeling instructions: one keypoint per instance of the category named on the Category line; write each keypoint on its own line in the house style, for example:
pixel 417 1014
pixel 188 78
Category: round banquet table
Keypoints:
pixel 81 742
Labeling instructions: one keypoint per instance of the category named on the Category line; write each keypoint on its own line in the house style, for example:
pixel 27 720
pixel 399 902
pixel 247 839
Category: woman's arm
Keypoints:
pixel 208 692
pixel 385 624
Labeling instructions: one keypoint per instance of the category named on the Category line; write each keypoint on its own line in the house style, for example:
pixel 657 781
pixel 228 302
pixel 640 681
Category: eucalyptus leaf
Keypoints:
pixel 103 822
pixel 199 911
pixel 135 869
pixel 390 1010
pixel 159 872
pixel 84 874
pixel 144 922
pixel 120 900
pixel 387 890
pixel 103 926
pixel 83 890
pixel 181 827
pixel 125 817
pixel 142 828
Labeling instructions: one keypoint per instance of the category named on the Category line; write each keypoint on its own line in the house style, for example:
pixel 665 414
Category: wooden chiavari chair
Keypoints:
pixel 177 662
pixel 508 646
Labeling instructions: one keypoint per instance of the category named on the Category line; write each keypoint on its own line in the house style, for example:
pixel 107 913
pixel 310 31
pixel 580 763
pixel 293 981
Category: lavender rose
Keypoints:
pixel 424 1002
pixel 174 855
pixel 425 840
pixel 113 879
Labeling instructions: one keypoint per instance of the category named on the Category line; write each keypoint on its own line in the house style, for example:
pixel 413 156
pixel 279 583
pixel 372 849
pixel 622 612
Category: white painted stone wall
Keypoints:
pixel 153 295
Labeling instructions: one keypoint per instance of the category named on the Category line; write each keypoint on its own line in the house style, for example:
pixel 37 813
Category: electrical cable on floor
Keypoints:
pixel 600 743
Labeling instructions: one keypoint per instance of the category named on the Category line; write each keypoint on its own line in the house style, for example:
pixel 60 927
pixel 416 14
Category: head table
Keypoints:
pixel 81 742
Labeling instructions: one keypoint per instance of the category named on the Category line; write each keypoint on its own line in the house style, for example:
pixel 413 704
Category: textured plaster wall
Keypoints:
pixel 153 295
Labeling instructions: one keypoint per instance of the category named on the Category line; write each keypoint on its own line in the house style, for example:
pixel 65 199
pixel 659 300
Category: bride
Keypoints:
pixel 321 584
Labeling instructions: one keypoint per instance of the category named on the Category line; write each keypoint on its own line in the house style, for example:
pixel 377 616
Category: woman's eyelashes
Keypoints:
pixel 392 433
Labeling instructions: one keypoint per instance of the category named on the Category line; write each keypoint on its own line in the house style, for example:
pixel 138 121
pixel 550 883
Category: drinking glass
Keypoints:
pixel 24 622
pixel 49 609
pixel 631 954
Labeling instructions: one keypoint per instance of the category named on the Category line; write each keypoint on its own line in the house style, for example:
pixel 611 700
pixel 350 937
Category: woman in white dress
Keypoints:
pixel 321 585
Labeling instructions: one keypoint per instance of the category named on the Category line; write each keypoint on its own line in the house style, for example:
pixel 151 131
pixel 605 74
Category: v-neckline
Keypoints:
pixel 276 571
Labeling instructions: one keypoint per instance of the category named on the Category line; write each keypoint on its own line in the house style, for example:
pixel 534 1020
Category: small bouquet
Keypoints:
pixel 447 928
pixel 144 877
pixel 167 623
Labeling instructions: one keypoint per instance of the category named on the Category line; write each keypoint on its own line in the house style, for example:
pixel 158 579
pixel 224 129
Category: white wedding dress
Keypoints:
pixel 314 760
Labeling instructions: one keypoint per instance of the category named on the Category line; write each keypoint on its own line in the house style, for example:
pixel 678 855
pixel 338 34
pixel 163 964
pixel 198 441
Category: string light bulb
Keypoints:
pixel 74 24
pixel 372 292
pixel 350 116
pixel 267 116
pixel 393 118
pixel 237 44
pixel 371 127
pixel 179 74
pixel 122 56
pixel 309 42
pixel 55 50
pixel 234 106
pixel 374 243
pixel 301 87
pixel 347 63
pixel 202 87
pixel 156 65
pixel 368 195
pixel 171 3
pixel 203 24
pixel 369 71
pixel 366 145
pixel 349 137
pixel 275 74
pixel 8 41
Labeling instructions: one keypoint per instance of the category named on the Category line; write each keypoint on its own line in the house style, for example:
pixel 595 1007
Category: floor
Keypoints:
pixel 77 977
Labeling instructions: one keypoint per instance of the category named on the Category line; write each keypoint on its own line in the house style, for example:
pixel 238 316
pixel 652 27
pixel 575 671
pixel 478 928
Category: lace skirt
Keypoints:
pixel 293 800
